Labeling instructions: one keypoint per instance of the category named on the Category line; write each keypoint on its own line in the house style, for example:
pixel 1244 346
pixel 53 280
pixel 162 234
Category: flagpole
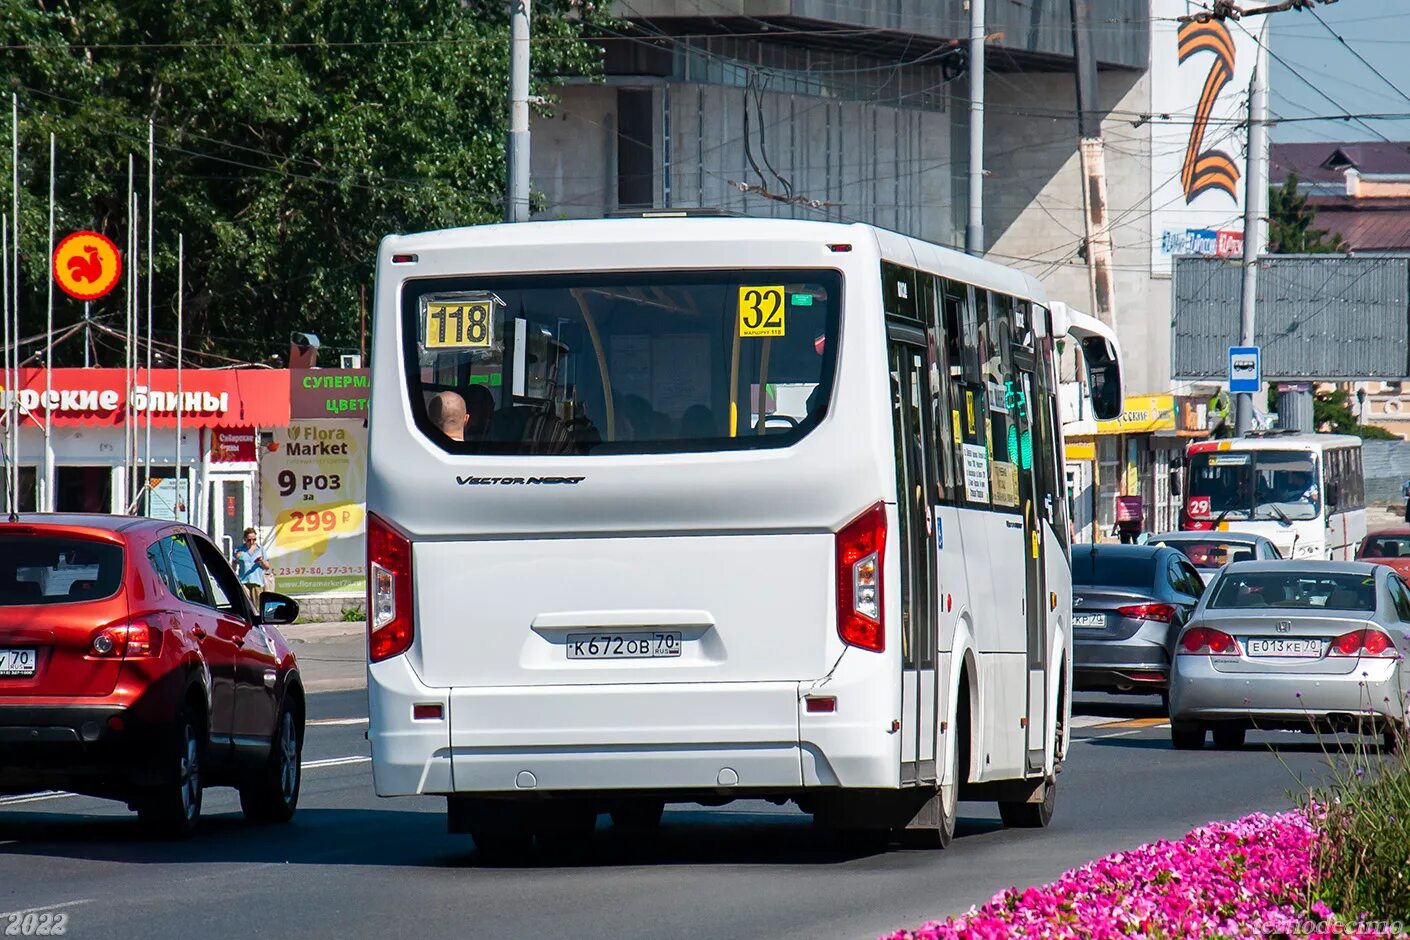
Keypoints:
pixel 129 357
pixel 49 344
pixel 180 285
pixel 11 396
pixel 151 182
pixel 15 276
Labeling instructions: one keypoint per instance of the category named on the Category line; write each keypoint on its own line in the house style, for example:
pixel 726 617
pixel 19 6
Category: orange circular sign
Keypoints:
pixel 87 265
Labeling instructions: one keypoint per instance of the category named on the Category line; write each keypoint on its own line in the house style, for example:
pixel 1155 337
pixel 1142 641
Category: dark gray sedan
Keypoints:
pixel 1128 604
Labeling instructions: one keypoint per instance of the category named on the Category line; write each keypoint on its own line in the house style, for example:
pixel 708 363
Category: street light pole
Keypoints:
pixel 516 200
pixel 1255 214
pixel 974 230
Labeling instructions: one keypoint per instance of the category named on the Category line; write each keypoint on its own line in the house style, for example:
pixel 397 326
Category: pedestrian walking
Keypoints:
pixel 1405 494
pixel 250 566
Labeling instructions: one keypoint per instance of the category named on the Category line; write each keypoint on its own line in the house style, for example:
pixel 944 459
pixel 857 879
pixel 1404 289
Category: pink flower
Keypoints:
pixel 1241 878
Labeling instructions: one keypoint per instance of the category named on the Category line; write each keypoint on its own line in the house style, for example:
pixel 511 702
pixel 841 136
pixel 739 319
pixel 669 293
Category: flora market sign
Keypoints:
pixel 101 397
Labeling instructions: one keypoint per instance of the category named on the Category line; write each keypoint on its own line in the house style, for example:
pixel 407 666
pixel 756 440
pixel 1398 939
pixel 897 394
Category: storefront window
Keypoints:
pixel 83 489
pixel 1109 473
pixel 28 499
pixel 169 499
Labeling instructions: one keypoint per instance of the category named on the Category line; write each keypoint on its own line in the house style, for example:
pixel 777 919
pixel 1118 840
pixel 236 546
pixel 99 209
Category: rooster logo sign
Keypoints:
pixel 87 265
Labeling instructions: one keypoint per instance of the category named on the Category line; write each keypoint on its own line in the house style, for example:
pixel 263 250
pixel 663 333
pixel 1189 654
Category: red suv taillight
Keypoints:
pixel 861 545
pixel 1161 612
pixel 389 628
pixel 126 641
pixel 1363 643
pixel 1202 641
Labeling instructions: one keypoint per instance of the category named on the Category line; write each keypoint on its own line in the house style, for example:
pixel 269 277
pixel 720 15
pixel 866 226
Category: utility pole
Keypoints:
pixel 974 231
pixel 1255 216
pixel 1092 152
pixel 516 197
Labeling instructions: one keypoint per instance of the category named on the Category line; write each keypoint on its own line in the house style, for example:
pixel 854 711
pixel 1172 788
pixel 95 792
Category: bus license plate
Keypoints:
pixel 15 662
pixel 623 645
pixel 1277 646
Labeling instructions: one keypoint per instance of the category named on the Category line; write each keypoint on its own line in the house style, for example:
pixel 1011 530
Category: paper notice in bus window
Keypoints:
pixel 1004 478
pixel 969 410
pixel 955 419
pixel 976 473
pixel 459 322
pixel 761 311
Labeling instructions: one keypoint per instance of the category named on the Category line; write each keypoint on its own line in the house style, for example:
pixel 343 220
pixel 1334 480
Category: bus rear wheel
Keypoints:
pixel 1028 814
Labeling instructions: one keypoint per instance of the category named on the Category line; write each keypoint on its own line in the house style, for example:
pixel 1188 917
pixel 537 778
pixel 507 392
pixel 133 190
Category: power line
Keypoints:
pixel 1308 82
pixel 1345 45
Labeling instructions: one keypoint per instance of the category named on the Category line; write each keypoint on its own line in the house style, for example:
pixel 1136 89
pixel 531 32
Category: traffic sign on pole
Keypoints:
pixel 1245 370
pixel 87 265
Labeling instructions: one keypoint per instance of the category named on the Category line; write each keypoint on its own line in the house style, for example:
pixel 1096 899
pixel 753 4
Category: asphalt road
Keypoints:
pixel 351 865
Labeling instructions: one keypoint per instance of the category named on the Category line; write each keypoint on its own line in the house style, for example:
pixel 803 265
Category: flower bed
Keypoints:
pixel 1249 878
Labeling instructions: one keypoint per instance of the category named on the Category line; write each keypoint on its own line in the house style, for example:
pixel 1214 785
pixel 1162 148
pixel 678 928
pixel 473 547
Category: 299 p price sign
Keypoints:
pixel 312 499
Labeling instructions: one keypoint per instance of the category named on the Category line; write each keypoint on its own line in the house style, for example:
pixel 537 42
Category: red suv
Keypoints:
pixel 133 667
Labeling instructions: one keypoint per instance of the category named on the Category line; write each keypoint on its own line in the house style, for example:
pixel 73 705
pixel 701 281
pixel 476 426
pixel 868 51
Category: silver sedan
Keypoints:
pixel 1311 646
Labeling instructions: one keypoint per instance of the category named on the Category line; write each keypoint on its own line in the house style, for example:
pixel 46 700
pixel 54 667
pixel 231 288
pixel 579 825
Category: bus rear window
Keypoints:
pixel 623 363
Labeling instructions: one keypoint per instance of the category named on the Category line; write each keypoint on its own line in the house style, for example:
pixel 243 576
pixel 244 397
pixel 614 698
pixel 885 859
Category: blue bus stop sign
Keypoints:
pixel 1245 370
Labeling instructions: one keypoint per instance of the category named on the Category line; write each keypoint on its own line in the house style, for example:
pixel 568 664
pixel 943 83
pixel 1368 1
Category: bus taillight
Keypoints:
pixel 389 626
pixel 861 546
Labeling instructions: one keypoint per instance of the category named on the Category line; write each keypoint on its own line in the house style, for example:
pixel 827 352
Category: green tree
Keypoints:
pixel 1290 219
pixel 1331 412
pixel 291 135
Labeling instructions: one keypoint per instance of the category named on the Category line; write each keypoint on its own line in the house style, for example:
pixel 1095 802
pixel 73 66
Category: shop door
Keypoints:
pixel 229 511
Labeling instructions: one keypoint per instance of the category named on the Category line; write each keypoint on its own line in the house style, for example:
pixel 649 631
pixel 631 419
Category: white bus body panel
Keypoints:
pixel 733 549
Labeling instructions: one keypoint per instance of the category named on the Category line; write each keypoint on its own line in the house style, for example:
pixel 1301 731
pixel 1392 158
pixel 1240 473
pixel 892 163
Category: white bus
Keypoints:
pixel 741 509
pixel 1305 492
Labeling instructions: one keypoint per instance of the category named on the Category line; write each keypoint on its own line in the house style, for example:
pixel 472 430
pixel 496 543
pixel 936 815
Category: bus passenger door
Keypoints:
pixel 915 483
pixel 1032 493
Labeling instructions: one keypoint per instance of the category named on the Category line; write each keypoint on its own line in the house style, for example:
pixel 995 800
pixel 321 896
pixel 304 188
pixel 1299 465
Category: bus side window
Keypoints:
pixel 938 374
pixel 961 363
pixel 1358 479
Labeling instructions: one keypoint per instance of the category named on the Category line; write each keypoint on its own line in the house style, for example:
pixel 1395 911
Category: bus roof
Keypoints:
pixel 1307 442
pixel 651 232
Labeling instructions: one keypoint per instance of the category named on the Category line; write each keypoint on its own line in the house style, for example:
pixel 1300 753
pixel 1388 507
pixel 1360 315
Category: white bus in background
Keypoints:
pixel 744 509
pixel 1305 492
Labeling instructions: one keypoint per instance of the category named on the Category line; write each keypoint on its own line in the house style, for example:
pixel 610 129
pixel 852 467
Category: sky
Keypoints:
pixel 1377 29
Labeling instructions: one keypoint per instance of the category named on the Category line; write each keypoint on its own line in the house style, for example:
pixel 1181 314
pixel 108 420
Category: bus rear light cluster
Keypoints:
pixel 389 622
pixel 861 545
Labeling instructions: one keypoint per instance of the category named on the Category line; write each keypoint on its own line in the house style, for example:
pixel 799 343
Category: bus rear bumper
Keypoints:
pixel 681 738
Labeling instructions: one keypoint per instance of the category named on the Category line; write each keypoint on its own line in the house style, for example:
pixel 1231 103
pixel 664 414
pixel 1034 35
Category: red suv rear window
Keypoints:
pixel 40 569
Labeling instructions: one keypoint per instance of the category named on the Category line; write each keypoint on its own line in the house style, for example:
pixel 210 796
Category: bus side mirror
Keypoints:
pixel 1103 377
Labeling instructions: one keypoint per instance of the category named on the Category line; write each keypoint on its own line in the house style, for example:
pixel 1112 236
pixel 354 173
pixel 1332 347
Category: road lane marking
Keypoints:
pixel 330 722
pixel 35 797
pixel 335 762
pixel 1088 721
pixel 1139 723
pixel 48 907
